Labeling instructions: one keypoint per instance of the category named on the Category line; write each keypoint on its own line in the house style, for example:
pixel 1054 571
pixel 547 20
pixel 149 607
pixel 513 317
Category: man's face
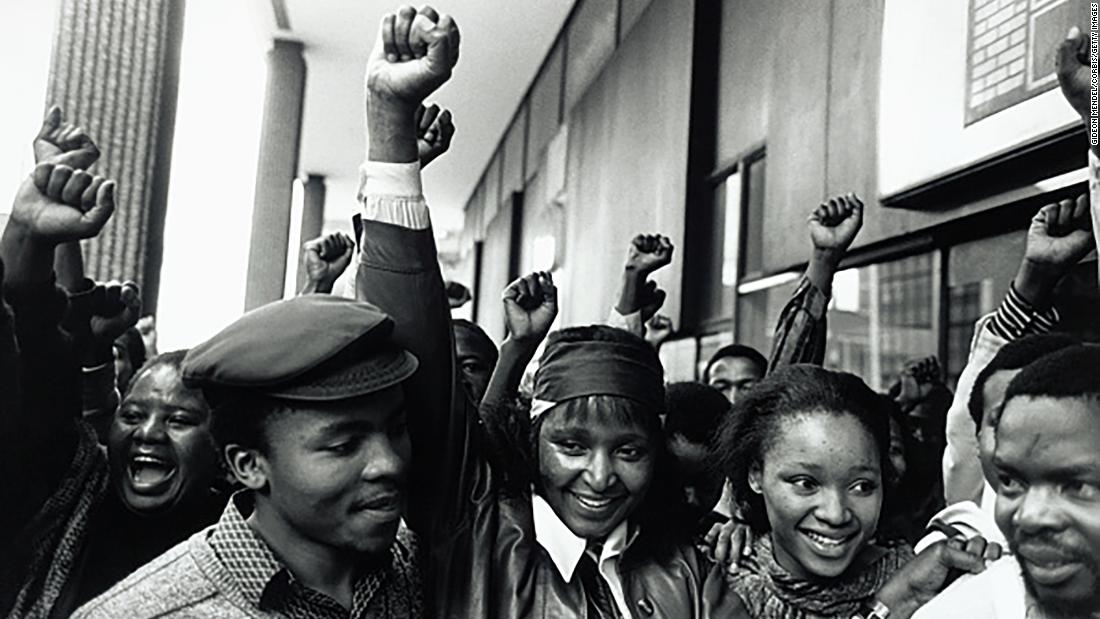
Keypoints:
pixel 594 470
pixel 476 360
pixel 993 394
pixel 733 375
pixel 1048 498
pixel 335 471
pixel 159 444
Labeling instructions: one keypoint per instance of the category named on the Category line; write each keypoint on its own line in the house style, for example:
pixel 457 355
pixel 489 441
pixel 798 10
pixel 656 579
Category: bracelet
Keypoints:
pixel 873 609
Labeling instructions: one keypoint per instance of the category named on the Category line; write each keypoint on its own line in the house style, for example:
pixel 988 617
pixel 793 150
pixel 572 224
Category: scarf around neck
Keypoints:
pixel 771 592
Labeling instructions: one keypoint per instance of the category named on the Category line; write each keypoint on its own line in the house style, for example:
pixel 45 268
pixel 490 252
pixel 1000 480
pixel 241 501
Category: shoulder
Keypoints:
pixel 993 593
pixel 172 583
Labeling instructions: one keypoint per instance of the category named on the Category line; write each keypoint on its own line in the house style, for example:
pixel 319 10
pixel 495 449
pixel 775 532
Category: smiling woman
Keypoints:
pixel 806 452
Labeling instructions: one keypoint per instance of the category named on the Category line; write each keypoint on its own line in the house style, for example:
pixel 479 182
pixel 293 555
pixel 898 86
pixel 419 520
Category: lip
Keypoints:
pixel 1047 566
pixel 594 505
pixel 828 545
pixel 385 504
pixel 159 483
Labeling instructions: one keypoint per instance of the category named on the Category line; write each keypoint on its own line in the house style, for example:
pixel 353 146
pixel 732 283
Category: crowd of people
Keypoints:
pixel 330 456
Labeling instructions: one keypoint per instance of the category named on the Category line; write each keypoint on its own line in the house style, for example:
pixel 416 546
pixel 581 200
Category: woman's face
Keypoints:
pixel 821 480
pixel 594 468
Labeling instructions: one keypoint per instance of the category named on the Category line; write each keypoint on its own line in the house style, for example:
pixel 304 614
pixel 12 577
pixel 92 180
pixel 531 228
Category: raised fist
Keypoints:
pixel 925 575
pixel 835 223
pixel 658 329
pixel 530 307
pixel 413 55
pixel 1060 234
pixel 648 252
pixel 115 308
pixel 434 130
pixel 57 204
pixel 1074 71
pixel 650 299
pixel 917 380
pixel 62 143
pixel 326 257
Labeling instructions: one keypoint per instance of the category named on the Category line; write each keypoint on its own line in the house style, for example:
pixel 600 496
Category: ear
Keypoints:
pixel 249 466
pixel 755 481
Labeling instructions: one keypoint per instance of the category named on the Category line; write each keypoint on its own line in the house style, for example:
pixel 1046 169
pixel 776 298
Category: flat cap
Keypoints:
pixel 315 347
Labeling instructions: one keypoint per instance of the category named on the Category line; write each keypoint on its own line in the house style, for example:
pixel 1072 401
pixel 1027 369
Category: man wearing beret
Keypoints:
pixel 309 412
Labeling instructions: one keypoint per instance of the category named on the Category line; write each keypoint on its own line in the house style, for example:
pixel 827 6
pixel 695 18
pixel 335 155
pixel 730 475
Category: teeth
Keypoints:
pixel 823 540
pixel 593 503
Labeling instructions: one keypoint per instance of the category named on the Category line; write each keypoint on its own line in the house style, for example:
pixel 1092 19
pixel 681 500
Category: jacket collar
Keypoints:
pixel 565 548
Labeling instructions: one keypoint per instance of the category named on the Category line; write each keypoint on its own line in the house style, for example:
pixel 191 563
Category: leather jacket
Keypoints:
pixel 482 559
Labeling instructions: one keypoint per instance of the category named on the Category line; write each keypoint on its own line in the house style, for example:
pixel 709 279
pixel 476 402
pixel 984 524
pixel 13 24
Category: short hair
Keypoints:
pixel 748 433
pixel 737 351
pixel 1066 373
pixel 173 359
pixel 238 417
pixel 694 411
pixel 1013 356
pixel 132 343
pixel 482 338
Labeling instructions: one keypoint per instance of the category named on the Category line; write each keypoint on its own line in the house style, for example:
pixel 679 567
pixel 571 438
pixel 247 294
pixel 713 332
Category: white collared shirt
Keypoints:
pixel 566 549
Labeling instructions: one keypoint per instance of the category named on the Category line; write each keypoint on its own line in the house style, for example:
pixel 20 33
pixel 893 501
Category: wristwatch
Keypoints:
pixel 873 609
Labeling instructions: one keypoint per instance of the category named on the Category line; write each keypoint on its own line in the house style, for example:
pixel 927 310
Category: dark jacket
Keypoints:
pixel 482 556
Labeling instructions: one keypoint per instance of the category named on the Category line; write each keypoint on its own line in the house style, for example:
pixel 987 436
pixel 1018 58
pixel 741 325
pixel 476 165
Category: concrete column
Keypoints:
pixel 313 216
pixel 280 136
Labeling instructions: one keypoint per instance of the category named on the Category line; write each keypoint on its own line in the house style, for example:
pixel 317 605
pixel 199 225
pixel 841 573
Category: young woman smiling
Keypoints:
pixel 808 460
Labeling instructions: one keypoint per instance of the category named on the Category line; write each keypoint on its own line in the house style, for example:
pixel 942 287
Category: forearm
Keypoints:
pixel 391 130
pixel 315 286
pixel 508 373
pixel 630 285
pixel 27 259
pixel 800 331
pixel 823 266
pixel 68 263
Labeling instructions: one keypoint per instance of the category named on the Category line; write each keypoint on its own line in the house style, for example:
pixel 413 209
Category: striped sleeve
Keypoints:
pixel 1017 317
pixel 800 333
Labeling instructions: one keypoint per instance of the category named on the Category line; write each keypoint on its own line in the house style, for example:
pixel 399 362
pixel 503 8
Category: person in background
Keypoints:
pixel 693 414
pixel 476 357
pixel 734 368
pixel 129 355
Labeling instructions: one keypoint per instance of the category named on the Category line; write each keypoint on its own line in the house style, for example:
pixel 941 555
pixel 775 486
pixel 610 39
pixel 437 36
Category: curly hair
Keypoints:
pixel 750 431
pixel 1014 356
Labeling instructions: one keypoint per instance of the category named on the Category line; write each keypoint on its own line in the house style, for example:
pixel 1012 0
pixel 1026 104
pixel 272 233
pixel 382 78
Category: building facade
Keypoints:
pixel 722 124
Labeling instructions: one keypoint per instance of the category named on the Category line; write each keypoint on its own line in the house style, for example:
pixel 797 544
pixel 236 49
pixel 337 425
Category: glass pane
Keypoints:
pixel 753 260
pixel 678 358
pixel 881 316
pixel 544 106
pixel 979 273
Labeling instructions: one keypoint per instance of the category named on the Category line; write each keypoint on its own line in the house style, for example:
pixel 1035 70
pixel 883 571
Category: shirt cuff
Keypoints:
pixel 1016 317
pixel 631 322
pixel 391 193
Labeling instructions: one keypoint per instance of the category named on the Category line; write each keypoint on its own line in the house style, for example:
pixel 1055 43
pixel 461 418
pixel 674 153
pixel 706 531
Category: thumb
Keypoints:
pixel 1067 57
pixel 959 559
pixel 131 301
pixel 50 122
pixel 80 158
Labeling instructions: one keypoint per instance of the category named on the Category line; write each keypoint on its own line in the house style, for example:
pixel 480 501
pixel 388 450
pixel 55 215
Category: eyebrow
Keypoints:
pixel 862 468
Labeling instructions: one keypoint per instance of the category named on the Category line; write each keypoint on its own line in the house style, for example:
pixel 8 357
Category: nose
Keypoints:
pixel 600 472
pixel 832 509
pixel 384 459
pixel 151 430
pixel 1036 510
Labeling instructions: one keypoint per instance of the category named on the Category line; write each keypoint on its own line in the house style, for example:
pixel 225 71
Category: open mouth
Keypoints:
pixel 382 505
pixel 828 545
pixel 596 505
pixel 150 474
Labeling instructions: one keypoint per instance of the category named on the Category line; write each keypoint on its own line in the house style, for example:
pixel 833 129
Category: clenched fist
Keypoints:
pixel 1060 234
pixel 63 143
pixel 58 204
pixel 325 260
pixel 530 307
pixel 413 55
pixel 434 130
pixel 648 252
pixel 835 223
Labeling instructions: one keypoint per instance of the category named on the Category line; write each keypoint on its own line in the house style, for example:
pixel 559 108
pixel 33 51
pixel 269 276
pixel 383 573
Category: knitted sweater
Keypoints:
pixel 190 581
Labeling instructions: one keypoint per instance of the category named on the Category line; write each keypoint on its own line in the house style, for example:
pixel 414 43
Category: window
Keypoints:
pixel 880 316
